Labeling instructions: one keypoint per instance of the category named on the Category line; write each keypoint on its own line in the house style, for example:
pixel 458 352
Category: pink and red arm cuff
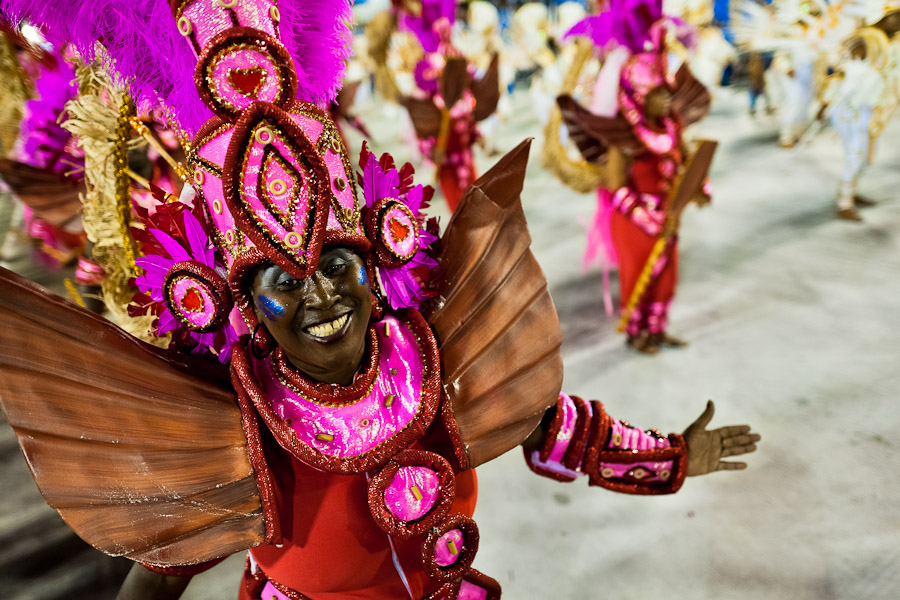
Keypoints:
pixel 644 210
pixel 583 440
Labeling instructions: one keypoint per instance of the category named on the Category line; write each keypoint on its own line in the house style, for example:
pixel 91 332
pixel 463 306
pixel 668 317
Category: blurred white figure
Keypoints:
pixel 855 91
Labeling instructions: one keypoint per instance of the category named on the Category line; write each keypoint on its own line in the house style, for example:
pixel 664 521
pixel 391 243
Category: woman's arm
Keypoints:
pixel 616 169
pixel 144 584
pixel 578 438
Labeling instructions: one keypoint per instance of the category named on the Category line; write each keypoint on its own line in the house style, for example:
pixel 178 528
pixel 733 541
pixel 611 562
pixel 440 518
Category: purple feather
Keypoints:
pixel 423 25
pixel 377 184
pixel 158 63
pixel 43 141
pixel 626 23
pixel 197 239
pixel 172 246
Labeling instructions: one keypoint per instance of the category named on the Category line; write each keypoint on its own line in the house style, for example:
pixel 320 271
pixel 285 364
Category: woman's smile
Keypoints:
pixel 331 330
pixel 320 322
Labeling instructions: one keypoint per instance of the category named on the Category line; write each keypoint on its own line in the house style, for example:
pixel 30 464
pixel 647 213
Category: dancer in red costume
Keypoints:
pixel 639 140
pixel 450 100
pixel 640 200
pixel 363 391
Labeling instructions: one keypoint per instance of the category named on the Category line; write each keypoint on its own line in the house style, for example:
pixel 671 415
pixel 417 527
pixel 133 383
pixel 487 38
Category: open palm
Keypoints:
pixel 707 448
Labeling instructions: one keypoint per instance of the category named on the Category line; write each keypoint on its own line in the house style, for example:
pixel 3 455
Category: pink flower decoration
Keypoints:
pixel 405 286
pixel 194 246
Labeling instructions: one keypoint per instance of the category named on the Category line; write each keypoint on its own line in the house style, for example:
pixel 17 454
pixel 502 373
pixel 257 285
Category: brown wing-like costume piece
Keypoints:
pixel 425 116
pixel 690 98
pixel 497 328
pixel 594 134
pixel 53 197
pixel 141 457
pixel 487 91
pixel 345 98
pixel 454 80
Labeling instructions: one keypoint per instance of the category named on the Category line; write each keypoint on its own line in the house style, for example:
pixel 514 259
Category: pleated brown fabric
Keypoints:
pixel 140 455
pixel 497 328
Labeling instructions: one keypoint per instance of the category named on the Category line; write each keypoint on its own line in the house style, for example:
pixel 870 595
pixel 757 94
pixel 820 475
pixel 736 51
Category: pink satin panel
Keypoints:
pixel 443 555
pixel 632 438
pixel 401 500
pixel 359 427
pixel 470 591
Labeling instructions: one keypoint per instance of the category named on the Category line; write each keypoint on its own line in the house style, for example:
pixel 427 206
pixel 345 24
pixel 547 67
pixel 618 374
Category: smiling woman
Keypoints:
pixel 341 454
pixel 320 322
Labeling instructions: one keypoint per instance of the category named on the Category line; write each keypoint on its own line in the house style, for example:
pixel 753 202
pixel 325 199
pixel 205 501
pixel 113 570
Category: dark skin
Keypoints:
pixel 337 288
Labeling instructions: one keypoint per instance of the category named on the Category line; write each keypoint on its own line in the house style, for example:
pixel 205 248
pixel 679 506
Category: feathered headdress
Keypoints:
pixel 150 54
pixel 270 169
pixel 638 25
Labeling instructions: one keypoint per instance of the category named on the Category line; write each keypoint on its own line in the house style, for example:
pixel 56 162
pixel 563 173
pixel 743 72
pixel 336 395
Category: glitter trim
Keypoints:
pixel 399 528
pixel 466 553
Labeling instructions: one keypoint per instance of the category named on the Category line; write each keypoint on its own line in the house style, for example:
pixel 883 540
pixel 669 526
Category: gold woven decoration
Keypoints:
pixel 379 32
pixel 14 91
pixel 105 136
pixel 576 173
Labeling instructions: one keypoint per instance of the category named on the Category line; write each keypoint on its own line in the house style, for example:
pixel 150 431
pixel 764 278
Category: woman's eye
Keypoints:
pixel 334 268
pixel 288 283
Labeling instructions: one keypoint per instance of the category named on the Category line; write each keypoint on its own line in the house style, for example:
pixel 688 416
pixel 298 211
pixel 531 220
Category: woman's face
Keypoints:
pixel 658 103
pixel 321 321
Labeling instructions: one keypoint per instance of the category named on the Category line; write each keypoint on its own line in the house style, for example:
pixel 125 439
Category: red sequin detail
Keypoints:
pixel 399 230
pixel 192 300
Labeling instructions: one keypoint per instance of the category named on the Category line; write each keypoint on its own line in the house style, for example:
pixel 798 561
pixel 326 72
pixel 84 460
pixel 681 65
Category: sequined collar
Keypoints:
pixel 359 427
pixel 326 393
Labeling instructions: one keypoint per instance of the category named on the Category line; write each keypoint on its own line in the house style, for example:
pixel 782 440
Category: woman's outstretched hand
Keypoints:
pixel 707 448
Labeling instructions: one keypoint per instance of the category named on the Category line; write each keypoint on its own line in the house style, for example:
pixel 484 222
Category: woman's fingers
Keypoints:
pixel 737 450
pixel 733 430
pixel 730 466
pixel 740 440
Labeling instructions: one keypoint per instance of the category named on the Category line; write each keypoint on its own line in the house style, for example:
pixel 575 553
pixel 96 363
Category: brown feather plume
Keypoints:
pixel 425 116
pixel 594 134
pixel 487 91
pixel 690 98
pixel 53 197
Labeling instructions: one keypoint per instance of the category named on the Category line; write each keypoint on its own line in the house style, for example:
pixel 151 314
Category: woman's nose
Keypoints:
pixel 319 293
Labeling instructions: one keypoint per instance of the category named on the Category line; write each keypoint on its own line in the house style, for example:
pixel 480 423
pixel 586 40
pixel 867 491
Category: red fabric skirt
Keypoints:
pixel 634 246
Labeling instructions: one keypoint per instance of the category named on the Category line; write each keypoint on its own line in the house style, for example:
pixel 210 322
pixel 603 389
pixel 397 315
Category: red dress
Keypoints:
pixel 332 548
pixel 640 208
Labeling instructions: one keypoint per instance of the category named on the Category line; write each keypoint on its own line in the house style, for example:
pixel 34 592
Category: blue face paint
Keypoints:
pixel 270 308
pixel 363 278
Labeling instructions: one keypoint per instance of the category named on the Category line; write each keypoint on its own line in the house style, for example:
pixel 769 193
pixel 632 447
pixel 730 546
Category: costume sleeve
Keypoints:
pixel 583 440
pixel 642 209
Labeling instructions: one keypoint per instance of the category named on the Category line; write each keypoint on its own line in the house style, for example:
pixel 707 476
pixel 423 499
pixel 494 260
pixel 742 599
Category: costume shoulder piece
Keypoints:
pixel 141 458
pixel 594 134
pixel 497 328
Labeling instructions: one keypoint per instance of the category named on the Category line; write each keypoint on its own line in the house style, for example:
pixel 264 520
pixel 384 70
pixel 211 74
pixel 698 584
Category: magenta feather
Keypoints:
pixel 158 63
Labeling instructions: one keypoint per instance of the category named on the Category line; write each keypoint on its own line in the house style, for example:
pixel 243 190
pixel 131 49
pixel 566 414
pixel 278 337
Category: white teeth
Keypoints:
pixel 326 329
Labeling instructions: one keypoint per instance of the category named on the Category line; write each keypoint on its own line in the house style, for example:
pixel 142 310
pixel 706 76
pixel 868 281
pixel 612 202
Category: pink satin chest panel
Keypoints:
pixel 352 429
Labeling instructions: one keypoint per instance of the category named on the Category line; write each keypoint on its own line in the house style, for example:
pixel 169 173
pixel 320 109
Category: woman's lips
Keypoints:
pixel 330 331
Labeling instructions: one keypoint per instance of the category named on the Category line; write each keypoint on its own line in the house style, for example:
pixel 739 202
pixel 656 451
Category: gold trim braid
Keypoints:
pixel 94 117
pixel 576 173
